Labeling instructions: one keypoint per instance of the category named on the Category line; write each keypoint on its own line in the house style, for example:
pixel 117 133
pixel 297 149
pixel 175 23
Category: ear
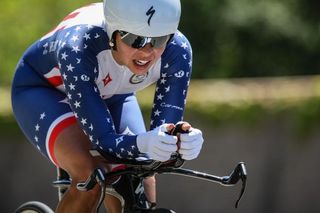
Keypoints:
pixel 112 41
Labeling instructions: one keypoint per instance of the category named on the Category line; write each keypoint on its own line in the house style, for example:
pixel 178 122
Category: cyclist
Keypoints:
pixel 75 88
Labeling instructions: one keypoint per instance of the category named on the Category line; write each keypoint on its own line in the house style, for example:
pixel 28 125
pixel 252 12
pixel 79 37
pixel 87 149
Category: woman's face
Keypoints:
pixel 137 60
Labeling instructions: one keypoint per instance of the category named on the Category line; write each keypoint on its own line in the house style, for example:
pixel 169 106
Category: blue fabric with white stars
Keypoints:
pixel 72 53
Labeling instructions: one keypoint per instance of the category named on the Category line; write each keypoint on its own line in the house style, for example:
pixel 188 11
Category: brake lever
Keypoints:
pixel 240 172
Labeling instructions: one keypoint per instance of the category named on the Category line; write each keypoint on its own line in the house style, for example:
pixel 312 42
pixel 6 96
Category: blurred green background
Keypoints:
pixel 255 94
pixel 242 38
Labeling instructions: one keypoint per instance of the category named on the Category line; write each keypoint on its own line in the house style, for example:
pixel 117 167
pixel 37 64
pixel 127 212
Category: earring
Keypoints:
pixel 111 44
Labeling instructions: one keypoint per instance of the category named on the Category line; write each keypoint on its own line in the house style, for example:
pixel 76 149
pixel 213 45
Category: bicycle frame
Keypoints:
pixel 147 168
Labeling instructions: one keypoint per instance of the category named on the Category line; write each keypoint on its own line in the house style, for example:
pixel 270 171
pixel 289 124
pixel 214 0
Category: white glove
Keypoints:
pixel 191 144
pixel 157 144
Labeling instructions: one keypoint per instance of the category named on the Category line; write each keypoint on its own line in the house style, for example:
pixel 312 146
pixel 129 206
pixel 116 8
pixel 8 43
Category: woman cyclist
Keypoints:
pixel 75 88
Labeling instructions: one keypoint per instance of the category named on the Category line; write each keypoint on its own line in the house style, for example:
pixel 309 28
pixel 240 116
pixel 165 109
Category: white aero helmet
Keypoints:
pixel 148 18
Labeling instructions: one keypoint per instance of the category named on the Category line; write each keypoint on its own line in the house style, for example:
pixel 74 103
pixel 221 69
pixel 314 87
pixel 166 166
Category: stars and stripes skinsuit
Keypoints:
pixel 69 76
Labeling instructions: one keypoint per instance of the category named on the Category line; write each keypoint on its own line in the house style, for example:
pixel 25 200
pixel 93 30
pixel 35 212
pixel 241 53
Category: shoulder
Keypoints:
pixel 179 42
pixel 179 46
pixel 90 16
pixel 178 53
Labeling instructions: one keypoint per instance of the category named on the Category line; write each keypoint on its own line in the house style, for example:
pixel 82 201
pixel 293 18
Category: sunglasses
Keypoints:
pixel 139 42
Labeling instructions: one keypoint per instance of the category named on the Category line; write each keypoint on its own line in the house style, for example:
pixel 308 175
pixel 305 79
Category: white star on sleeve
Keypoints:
pixel 64 56
pixel 184 56
pixel 91 127
pixel 97 35
pixel 42 116
pixel 167 89
pixel 163 81
pixel 84 121
pixel 184 45
pixel 69 96
pixel 74 38
pixel 157 113
pixel 159 97
pixel 77 104
pixel 70 67
pixel 65 76
pixel 86 36
pixel 75 49
pixel 163 75
pixel 72 86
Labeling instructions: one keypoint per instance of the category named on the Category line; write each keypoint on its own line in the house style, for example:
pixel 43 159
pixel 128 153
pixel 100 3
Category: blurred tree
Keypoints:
pixel 252 38
pixel 230 38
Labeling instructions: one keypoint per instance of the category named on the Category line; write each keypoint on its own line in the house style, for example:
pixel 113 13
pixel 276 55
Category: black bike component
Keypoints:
pixel 97 177
pixel 62 183
pixel 239 173
pixel 34 206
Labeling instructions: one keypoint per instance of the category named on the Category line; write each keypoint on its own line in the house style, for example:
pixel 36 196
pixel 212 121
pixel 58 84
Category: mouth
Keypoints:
pixel 141 64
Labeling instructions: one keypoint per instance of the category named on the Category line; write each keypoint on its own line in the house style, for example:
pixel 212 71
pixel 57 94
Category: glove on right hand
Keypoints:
pixel 157 143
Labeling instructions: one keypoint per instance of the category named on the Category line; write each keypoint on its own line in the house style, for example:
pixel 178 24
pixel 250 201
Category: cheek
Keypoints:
pixel 159 52
pixel 126 52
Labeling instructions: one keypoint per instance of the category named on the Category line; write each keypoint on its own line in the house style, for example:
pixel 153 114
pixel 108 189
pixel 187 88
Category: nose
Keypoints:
pixel 148 49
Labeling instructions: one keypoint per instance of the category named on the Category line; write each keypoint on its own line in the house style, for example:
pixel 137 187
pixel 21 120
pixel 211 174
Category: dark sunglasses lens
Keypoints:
pixel 158 42
pixel 138 42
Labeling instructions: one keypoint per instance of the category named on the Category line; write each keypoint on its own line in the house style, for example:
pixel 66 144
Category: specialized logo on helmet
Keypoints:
pixel 150 13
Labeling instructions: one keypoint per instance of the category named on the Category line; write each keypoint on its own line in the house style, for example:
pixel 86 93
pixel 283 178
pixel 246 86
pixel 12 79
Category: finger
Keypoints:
pixel 192 135
pixel 166 127
pixel 156 156
pixel 191 144
pixel 168 139
pixel 189 151
pixel 185 126
pixel 190 155
pixel 165 147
